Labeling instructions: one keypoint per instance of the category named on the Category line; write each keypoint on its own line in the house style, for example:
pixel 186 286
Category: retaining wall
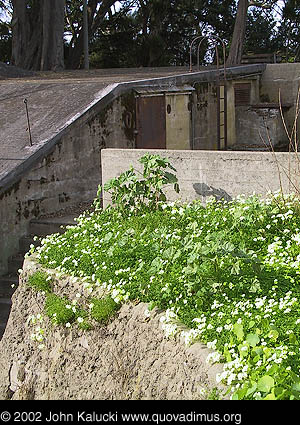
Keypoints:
pixel 67 175
pixel 213 173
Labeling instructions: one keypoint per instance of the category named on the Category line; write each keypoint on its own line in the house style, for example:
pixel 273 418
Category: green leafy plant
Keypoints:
pixel 63 312
pixel 103 309
pixel 40 281
pixel 229 271
pixel 57 310
pixel 133 192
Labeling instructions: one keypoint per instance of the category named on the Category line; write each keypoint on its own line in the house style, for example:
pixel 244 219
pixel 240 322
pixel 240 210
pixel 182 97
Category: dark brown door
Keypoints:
pixel 151 122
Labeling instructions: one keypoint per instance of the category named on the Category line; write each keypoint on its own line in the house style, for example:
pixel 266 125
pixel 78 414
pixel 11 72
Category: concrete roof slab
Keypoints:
pixel 55 100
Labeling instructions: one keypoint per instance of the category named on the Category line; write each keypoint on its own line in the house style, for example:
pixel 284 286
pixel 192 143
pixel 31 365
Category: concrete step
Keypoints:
pixel 25 242
pixel 5 306
pixel 15 263
pixel 47 226
pixel 39 227
pixel 2 329
pixel 6 283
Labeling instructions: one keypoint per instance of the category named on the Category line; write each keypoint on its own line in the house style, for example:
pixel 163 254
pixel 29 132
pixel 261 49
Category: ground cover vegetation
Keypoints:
pixel 229 271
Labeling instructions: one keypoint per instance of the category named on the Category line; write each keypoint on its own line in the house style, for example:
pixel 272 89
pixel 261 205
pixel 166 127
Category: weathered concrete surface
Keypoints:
pixel 130 358
pixel 53 104
pixel 73 115
pixel 260 126
pixel 214 173
pixel 56 103
pixel 281 82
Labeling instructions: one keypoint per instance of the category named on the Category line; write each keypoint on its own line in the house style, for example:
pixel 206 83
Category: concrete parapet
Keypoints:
pixel 213 173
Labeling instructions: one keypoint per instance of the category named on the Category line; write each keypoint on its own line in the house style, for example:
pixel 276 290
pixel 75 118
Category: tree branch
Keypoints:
pixel 261 4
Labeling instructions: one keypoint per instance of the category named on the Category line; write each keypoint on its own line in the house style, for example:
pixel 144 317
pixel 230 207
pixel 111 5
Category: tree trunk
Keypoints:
pixel 53 35
pixel 236 48
pixel 74 59
pixel 38 34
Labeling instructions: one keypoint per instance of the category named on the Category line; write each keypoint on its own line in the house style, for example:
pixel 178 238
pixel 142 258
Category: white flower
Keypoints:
pixel 212 344
pixel 80 320
pixel 68 325
pixel 147 313
pixel 213 357
pixel 202 391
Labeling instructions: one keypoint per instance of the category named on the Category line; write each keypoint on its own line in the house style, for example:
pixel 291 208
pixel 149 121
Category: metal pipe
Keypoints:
pixel 28 122
pixel 191 46
pixel 214 38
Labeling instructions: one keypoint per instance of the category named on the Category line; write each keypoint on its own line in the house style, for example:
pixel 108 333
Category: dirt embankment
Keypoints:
pixel 129 358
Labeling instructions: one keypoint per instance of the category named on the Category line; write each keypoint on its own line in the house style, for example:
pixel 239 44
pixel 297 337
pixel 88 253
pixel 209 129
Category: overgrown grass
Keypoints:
pixel 229 271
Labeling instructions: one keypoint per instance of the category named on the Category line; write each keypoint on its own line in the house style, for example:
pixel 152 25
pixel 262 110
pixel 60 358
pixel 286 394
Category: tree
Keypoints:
pixel 115 44
pixel 236 48
pixel 97 10
pixel 288 35
pixel 38 29
pixel 261 32
pixel 5 31
pixel 168 27
pixel 5 42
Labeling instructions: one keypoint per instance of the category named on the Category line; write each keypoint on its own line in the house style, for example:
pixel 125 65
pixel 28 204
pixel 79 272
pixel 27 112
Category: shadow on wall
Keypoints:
pixel 204 190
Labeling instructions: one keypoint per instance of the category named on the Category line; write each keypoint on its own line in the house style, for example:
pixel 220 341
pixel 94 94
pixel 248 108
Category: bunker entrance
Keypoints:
pixel 164 119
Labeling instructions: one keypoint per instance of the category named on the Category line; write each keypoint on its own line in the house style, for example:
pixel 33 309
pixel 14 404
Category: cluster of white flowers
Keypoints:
pixel 39 334
pixel 283 252
pixel 190 336
pixel 73 304
pixel 119 295
pixel 213 357
pixel 235 370
pixel 249 327
pixel 169 323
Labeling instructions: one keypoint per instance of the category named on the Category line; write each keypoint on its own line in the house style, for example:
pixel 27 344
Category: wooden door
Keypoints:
pixel 151 122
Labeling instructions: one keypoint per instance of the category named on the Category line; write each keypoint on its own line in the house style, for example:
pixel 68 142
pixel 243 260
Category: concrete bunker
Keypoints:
pixel 192 111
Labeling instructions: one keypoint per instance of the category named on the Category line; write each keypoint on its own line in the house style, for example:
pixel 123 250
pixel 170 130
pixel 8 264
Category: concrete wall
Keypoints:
pixel 259 126
pixel 70 174
pixel 283 78
pixel 209 173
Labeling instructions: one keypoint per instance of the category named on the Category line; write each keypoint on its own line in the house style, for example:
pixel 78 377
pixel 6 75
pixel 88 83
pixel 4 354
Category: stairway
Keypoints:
pixel 9 282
